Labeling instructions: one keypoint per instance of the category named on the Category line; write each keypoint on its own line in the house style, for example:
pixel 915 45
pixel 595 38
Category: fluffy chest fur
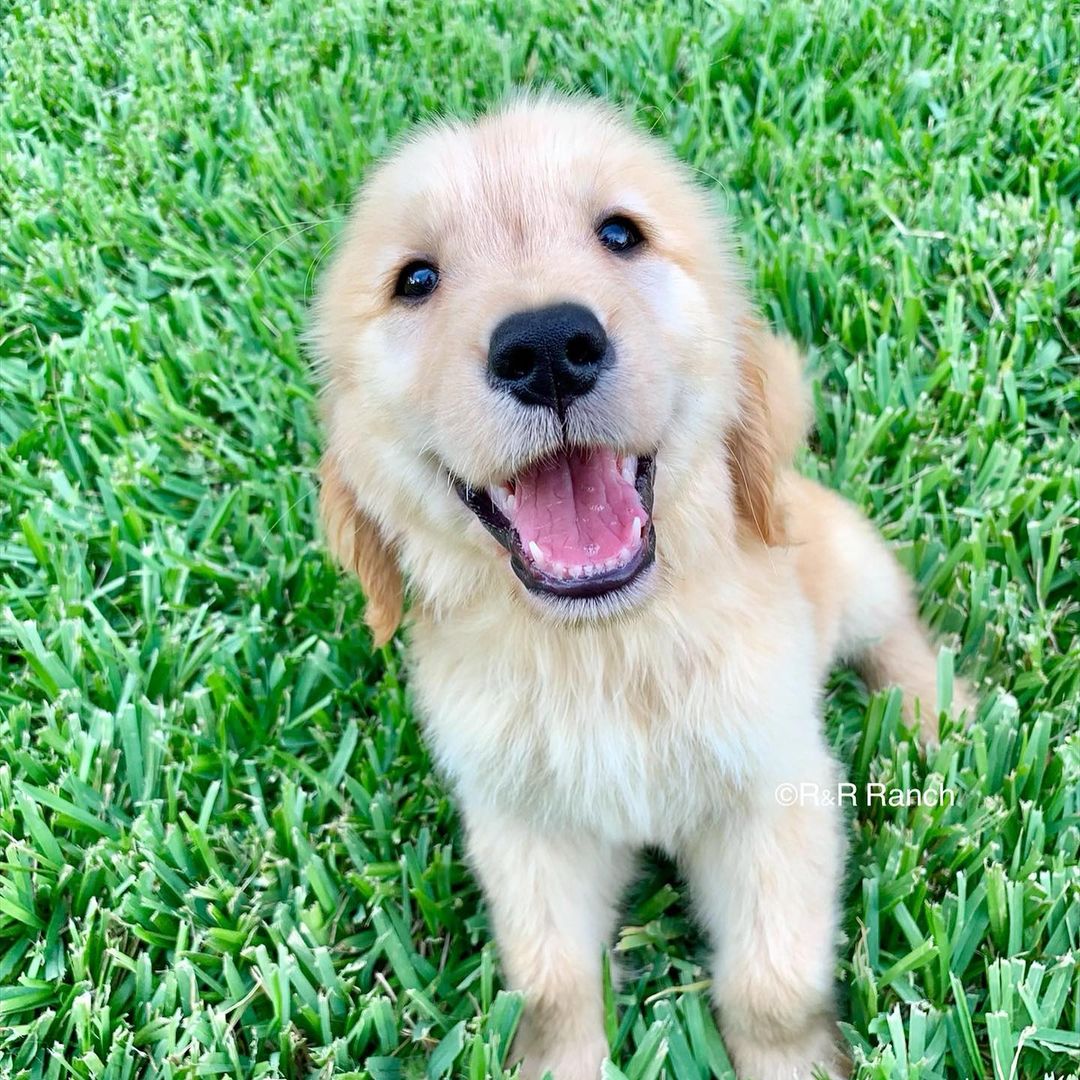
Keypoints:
pixel 638 730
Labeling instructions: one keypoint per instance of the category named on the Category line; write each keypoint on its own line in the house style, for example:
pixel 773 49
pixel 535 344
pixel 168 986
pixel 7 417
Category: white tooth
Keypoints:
pixel 635 531
pixel 511 504
pixel 558 569
pixel 536 553
pixel 611 563
pixel 623 556
pixel 575 571
pixel 629 469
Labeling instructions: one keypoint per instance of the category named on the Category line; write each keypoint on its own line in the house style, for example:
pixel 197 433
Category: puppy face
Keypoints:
pixel 531 327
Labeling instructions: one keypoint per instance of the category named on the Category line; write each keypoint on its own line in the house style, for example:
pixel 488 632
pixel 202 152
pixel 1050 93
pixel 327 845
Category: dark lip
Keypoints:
pixel 489 515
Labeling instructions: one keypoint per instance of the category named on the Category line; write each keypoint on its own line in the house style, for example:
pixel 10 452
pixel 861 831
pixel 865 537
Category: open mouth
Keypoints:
pixel 577 524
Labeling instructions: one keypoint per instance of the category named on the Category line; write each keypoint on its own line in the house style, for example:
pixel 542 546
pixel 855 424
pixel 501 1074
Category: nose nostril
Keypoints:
pixel 581 349
pixel 517 362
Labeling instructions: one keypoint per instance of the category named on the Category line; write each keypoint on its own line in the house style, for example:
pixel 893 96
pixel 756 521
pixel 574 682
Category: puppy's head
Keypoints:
pixel 533 324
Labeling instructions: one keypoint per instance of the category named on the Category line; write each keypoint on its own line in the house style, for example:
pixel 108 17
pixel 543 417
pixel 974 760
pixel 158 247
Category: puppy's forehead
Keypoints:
pixel 527 175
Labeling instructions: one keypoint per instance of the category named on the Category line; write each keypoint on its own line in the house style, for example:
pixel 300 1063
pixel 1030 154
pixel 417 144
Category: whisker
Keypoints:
pixel 295 224
pixel 280 244
pixel 309 280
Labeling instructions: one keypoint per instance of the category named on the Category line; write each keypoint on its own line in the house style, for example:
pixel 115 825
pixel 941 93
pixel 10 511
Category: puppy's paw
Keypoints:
pixel 806 1058
pixel 962 710
pixel 965 701
pixel 570 1061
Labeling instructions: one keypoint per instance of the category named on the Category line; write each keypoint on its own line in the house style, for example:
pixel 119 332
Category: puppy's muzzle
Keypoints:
pixel 548 357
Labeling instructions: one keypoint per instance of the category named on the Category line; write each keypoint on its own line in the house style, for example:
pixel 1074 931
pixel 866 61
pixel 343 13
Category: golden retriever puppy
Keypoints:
pixel 551 411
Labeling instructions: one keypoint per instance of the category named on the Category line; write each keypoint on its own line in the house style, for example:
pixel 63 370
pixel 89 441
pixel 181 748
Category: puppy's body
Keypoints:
pixel 675 728
pixel 668 709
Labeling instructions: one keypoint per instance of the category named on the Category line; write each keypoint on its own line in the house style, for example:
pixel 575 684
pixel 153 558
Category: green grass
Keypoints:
pixel 222 847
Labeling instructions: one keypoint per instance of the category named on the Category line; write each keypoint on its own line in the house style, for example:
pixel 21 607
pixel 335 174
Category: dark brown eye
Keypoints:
pixel 416 281
pixel 619 234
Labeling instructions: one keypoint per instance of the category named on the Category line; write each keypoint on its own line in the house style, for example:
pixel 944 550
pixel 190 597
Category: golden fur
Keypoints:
pixel 668 718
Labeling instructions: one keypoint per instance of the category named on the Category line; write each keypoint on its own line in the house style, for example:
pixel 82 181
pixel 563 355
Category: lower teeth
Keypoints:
pixel 563 572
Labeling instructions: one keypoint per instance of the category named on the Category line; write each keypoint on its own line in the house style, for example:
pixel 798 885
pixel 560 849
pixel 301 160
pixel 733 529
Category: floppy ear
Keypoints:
pixel 787 393
pixel 357 543
pixel 774 415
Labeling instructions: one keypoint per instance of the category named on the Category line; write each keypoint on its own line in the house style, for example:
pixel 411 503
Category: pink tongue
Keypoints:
pixel 578 509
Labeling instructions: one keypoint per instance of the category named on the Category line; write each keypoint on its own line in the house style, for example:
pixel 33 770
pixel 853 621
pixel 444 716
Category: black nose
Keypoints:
pixel 548 357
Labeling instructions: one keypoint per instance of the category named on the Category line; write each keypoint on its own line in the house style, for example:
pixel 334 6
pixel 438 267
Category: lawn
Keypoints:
pixel 223 850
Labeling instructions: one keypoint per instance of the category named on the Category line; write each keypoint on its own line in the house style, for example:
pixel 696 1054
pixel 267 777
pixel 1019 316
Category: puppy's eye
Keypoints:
pixel 619 234
pixel 416 281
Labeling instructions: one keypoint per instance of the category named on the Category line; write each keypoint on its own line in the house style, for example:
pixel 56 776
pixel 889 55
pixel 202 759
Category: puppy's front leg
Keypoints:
pixel 767 887
pixel 553 900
